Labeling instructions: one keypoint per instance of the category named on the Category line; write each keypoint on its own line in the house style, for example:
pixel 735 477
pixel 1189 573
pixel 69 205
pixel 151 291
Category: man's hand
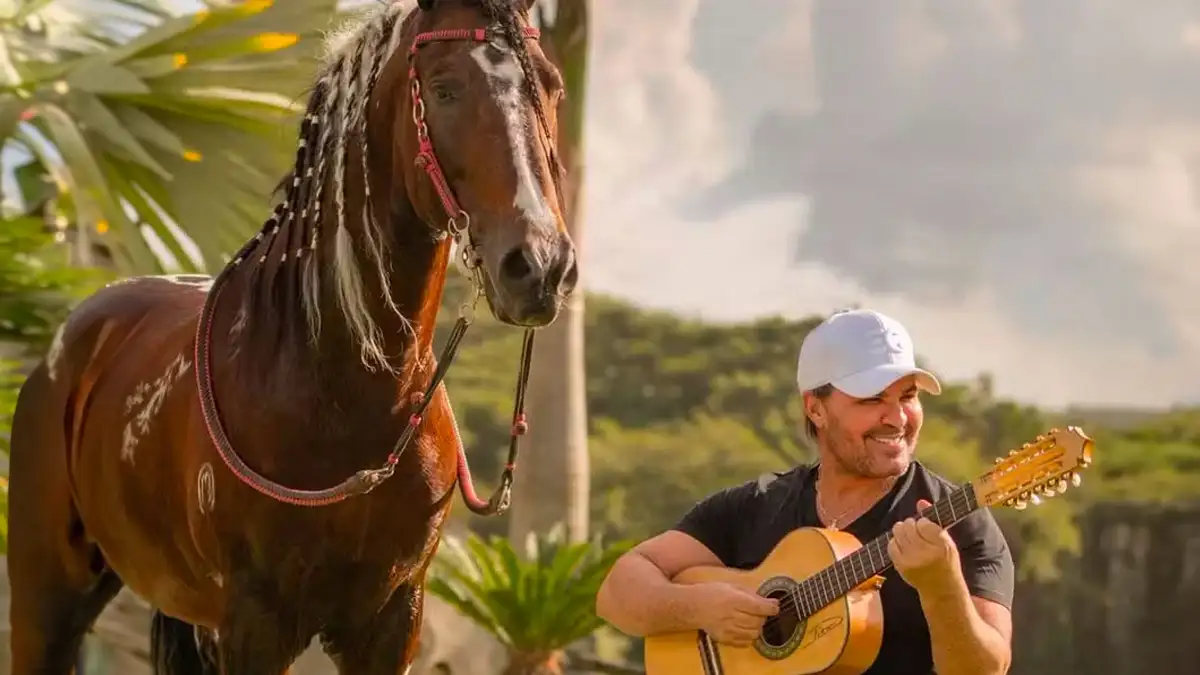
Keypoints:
pixel 731 615
pixel 923 552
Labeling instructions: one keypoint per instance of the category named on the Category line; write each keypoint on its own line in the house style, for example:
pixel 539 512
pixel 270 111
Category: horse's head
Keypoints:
pixel 475 142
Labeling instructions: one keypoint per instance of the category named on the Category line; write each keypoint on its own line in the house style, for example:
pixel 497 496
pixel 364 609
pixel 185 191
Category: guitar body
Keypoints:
pixel 841 639
pixel 834 578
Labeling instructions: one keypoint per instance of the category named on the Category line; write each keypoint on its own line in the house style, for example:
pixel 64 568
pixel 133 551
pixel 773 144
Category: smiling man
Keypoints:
pixel 947 600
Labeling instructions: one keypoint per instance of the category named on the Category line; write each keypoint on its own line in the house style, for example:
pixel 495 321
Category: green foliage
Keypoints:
pixel 125 118
pixel 679 408
pixel 10 383
pixel 37 289
pixel 535 603
pixel 643 479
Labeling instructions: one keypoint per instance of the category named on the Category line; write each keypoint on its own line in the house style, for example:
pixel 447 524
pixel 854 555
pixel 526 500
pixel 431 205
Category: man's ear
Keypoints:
pixel 814 409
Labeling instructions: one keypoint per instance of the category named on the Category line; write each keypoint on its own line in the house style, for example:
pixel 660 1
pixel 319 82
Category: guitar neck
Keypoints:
pixel 840 578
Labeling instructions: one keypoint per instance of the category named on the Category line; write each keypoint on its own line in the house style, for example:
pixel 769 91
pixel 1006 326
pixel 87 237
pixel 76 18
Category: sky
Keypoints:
pixel 1013 180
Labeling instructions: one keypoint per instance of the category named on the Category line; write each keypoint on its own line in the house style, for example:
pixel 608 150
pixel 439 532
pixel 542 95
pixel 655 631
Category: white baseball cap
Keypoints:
pixel 861 352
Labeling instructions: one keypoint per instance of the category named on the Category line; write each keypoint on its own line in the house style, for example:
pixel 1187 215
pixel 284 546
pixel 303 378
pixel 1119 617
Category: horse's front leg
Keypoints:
pixel 256 641
pixel 387 645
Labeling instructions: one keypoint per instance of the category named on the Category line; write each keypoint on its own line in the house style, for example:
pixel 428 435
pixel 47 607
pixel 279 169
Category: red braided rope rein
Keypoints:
pixel 365 480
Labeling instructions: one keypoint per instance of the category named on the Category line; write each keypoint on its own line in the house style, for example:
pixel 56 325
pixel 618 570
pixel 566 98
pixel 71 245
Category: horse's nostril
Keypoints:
pixel 572 276
pixel 516 266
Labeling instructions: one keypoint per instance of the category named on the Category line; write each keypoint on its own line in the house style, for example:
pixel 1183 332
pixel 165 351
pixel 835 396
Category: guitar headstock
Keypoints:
pixel 1043 468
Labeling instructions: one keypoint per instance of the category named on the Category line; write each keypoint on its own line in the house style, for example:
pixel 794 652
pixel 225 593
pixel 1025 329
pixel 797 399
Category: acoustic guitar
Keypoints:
pixel 827 583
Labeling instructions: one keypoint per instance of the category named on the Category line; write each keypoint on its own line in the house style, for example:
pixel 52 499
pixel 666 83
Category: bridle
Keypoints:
pixel 457 228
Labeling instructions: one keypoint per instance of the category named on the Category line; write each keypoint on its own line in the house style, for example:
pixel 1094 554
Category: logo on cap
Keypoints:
pixel 887 342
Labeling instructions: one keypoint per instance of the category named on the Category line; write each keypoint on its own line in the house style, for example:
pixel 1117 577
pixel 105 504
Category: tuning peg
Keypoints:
pixel 999 459
pixel 1040 438
pixel 1011 453
pixel 1026 446
pixel 1035 500
pixel 1020 505
pixel 1061 486
pixel 1076 479
pixel 1053 430
pixel 1047 490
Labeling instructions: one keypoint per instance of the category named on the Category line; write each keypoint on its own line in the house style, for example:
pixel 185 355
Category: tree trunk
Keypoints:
pixel 552 484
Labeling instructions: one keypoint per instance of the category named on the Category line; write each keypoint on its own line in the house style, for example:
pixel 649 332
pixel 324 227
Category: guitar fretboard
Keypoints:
pixel 831 583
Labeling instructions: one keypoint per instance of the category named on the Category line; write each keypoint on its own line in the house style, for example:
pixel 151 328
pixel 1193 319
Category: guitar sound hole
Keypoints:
pixel 779 629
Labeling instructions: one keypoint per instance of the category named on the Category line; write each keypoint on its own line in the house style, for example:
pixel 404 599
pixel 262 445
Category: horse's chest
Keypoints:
pixel 365 535
pixel 360 561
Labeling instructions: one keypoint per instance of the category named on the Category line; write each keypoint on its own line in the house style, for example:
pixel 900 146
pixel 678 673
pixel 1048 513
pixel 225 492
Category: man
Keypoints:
pixel 946 601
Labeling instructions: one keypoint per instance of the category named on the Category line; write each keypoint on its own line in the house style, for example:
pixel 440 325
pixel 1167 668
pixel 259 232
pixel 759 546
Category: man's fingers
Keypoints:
pixel 903 532
pixel 929 531
pixel 896 545
pixel 748 623
pixel 743 637
pixel 759 606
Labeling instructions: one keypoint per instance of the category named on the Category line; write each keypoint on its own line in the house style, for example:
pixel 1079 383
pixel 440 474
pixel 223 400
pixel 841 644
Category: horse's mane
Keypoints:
pixel 336 115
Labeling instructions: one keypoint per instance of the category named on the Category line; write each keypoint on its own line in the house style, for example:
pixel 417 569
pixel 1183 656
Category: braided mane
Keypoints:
pixel 336 116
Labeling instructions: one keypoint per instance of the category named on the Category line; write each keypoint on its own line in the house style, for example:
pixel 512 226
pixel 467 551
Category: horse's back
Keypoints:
pixel 134 312
pixel 122 325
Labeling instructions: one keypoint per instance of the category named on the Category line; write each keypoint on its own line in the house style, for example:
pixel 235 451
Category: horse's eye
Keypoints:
pixel 442 92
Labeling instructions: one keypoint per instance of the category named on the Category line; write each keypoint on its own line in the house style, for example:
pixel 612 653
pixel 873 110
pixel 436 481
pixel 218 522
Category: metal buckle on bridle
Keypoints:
pixel 458 224
pixel 497 40
pixel 469 262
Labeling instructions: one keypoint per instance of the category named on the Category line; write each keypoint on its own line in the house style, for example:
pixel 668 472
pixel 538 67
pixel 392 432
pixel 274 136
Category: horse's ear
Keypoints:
pixel 529 4
pixel 425 4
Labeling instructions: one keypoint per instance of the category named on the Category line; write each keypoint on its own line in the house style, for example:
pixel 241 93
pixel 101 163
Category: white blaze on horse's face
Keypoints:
pixel 506 81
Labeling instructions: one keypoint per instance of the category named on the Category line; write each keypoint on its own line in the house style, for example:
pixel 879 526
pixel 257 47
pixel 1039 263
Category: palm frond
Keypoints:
pixel 536 603
pixel 161 134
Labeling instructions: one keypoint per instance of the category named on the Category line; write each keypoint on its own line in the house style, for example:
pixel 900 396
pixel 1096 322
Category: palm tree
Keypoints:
pixel 553 485
pixel 151 138
pixel 537 604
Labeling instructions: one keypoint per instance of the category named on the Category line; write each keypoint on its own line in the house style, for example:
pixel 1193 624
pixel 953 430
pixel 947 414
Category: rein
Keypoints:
pixel 365 480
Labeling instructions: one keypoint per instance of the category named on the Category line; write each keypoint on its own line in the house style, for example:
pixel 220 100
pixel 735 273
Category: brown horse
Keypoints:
pixel 182 434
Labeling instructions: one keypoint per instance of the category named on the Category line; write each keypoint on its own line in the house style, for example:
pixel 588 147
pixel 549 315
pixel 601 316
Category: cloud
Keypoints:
pixel 1014 179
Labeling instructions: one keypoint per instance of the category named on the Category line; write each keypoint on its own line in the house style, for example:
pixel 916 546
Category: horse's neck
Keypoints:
pixel 274 353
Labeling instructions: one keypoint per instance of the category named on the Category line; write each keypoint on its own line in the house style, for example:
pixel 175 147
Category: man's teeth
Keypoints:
pixel 892 438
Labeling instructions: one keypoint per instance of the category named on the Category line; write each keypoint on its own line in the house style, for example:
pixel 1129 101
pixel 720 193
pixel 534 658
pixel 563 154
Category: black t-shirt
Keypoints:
pixel 742 524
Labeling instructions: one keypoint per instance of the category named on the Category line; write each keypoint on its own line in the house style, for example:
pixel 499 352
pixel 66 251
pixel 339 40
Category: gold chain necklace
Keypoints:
pixel 832 523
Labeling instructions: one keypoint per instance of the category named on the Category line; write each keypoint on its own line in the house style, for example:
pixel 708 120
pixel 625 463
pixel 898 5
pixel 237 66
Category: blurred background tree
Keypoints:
pixel 556 452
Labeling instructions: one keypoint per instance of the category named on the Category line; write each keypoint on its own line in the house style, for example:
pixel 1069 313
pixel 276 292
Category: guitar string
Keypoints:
pixel 826 579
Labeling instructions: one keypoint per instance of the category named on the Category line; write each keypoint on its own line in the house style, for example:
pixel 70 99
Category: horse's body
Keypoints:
pixel 153 498
pixel 116 477
pixel 154 505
